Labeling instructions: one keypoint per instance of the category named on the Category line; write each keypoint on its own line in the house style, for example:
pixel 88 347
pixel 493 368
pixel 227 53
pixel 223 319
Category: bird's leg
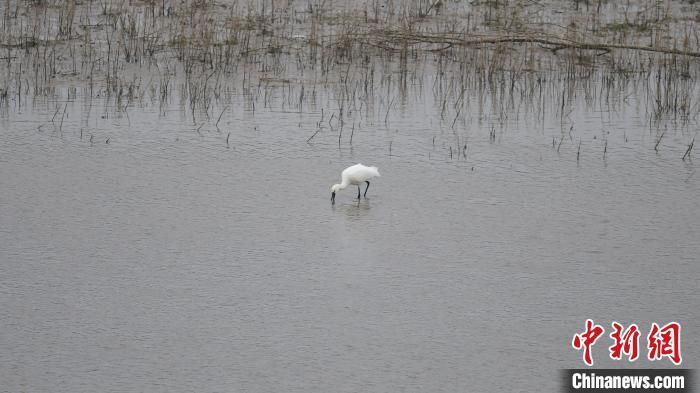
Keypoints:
pixel 358 192
pixel 366 189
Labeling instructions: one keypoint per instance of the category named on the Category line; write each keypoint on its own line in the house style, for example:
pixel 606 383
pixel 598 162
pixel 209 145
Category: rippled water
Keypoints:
pixel 150 255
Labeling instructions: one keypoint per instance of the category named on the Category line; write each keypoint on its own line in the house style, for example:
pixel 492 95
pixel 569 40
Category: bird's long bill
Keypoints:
pixel 333 197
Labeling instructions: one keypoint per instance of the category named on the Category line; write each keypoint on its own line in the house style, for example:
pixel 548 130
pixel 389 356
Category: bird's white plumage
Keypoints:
pixel 355 175
pixel 358 174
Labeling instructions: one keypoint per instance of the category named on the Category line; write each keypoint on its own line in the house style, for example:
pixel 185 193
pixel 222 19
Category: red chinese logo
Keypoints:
pixel 665 342
pixel 586 340
pixel 662 342
pixel 627 343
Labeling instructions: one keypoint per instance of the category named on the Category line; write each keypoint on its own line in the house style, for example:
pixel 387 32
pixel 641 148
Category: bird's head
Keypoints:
pixel 335 188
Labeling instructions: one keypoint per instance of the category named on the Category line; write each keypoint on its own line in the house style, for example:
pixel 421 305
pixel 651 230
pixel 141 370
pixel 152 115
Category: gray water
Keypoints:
pixel 167 260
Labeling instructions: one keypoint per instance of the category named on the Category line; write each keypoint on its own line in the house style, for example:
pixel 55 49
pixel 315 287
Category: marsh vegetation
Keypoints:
pixel 481 66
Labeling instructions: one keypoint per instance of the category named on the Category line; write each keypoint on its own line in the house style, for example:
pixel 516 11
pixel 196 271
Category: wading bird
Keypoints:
pixel 355 175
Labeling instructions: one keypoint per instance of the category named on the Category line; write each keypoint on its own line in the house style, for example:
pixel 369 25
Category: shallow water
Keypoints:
pixel 171 260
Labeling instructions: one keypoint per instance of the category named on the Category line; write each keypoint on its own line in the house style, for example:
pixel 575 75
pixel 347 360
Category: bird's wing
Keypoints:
pixel 374 170
pixel 361 173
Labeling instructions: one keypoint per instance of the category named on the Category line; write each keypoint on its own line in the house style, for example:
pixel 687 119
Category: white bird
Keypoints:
pixel 355 175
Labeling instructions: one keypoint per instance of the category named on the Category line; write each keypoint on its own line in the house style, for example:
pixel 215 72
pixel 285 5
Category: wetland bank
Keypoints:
pixel 165 169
